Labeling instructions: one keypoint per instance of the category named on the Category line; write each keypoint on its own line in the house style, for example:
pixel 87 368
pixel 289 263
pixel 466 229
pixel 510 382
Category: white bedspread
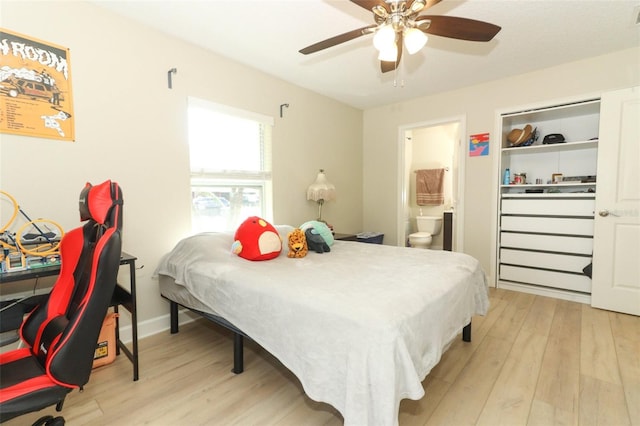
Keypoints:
pixel 361 326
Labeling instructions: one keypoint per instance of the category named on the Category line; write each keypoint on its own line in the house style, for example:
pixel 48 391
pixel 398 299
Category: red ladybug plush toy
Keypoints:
pixel 257 239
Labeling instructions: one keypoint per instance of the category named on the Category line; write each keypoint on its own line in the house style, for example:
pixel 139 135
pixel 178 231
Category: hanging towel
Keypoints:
pixel 429 184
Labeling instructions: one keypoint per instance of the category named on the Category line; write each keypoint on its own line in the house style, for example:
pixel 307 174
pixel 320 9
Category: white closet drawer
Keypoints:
pixel 547 225
pixel 559 207
pixel 555 243
pixel 560 262
pixel 561 280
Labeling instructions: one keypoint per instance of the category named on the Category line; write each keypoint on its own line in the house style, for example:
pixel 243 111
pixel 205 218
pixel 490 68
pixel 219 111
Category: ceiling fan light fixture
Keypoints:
pixel 380 11
pixel 417 6
pixel 414 40
pixel 398 23
pixel 384 37
pixel 389 53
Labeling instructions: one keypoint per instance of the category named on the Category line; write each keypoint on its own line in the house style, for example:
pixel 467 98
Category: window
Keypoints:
pixel 230 157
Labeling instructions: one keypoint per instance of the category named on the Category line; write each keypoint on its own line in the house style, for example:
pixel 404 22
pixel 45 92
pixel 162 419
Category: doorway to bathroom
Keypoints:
pixel 431 145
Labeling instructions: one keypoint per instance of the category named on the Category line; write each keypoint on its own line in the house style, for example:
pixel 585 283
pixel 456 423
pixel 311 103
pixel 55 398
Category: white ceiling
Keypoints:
pixel 267 35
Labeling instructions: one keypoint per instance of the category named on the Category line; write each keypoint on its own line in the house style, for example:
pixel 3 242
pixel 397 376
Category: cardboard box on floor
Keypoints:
pixel 106 347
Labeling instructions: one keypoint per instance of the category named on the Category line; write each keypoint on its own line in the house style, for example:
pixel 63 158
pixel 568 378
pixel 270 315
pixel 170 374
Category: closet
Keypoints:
pixel 546 209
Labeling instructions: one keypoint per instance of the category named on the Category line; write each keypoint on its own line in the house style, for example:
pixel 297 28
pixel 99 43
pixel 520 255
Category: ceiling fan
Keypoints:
pixel 399 22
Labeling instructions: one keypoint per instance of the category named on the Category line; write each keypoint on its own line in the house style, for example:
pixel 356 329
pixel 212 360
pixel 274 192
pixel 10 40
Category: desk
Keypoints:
pixel 121 297
pixel 129 301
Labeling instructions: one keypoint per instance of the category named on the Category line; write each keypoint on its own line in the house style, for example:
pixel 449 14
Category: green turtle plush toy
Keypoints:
pixel 315 242
pixel 319 228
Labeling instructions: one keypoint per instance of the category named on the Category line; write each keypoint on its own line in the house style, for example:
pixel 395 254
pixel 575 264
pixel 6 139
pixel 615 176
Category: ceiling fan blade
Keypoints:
pixel 333 41
pixel 370 4
pixel 460 28
pixel 386 66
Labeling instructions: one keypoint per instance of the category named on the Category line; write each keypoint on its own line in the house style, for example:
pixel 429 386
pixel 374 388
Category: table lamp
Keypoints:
pixel 320 191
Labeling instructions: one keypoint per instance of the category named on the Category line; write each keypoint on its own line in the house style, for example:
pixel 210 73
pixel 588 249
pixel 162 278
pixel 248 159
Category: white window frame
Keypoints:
pixel 260 179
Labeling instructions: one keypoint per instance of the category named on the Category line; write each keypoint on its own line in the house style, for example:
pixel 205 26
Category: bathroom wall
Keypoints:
pixel 432 148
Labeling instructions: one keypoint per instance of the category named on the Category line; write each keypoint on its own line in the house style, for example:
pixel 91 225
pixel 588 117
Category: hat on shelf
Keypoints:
pixel 518 136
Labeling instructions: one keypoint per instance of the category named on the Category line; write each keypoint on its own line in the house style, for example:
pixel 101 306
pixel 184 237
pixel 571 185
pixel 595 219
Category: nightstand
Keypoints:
pixel 345 237
pixel 365 237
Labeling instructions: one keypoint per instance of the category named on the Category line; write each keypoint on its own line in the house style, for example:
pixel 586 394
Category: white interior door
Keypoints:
pixel 616 248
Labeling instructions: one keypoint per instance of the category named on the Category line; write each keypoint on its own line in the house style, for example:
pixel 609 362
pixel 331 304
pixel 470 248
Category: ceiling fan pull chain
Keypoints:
pixel 395 83
pixel 395 77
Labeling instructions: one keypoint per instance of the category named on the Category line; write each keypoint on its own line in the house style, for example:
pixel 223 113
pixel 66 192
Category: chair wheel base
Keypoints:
pixel 49 421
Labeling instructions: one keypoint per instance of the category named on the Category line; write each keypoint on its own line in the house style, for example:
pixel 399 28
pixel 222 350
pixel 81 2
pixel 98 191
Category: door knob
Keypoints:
pixel 605 213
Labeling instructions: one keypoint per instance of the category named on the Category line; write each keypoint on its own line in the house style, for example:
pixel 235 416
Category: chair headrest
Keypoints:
pixel 101 203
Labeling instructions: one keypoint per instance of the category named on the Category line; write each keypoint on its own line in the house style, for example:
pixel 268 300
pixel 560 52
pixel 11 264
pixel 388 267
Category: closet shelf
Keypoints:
pixel 551 195
pixel 556 147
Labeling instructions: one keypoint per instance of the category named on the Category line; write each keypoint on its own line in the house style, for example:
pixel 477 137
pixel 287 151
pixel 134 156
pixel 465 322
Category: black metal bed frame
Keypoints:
pixel 239 335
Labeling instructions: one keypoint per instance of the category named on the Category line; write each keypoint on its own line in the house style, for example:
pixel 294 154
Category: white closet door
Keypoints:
pixel 616 251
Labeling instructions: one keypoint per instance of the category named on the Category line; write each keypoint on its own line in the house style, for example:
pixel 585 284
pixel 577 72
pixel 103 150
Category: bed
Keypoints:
pixel 360 326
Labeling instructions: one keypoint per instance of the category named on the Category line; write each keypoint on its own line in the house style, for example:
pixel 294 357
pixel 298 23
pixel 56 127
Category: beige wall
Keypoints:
pixel 479 104
pixel 131 128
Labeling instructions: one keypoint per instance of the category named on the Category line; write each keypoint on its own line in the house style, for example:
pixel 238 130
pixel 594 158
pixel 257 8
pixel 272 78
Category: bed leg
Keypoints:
pixel 173 309
pixel 238 357
pixel 466 332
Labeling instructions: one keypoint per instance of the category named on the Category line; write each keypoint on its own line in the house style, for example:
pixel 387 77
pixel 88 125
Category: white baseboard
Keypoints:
pixel 156 325
pixel 546 291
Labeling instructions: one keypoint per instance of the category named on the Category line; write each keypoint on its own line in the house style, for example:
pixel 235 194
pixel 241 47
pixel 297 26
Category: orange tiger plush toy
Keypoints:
pixel 297 244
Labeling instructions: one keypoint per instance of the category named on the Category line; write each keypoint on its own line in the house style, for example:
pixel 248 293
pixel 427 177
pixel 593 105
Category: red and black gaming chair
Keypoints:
pixel 61 334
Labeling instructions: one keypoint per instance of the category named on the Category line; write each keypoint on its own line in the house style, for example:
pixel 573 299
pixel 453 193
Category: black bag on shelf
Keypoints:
pixel 553 138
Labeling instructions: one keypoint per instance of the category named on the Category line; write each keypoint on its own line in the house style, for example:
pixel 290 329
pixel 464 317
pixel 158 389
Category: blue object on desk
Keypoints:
pixel 370 237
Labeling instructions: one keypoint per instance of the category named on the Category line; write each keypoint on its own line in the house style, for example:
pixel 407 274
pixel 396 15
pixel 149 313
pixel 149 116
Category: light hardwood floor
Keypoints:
pixel 533 361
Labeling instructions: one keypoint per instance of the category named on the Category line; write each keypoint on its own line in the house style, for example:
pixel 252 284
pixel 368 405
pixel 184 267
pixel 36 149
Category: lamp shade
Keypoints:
pixel 414 40
pixel 321 189
pixel 389 54
pixel 384 37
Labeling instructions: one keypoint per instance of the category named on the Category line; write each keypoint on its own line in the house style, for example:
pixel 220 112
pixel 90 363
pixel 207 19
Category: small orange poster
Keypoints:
pixel 35 88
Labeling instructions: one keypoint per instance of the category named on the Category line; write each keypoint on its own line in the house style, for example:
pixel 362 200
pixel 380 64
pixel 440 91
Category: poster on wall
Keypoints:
pixel 479 145
pixel 35 88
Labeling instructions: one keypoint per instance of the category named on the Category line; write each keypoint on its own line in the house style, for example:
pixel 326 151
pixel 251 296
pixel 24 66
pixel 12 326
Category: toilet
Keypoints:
pixel 427 227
